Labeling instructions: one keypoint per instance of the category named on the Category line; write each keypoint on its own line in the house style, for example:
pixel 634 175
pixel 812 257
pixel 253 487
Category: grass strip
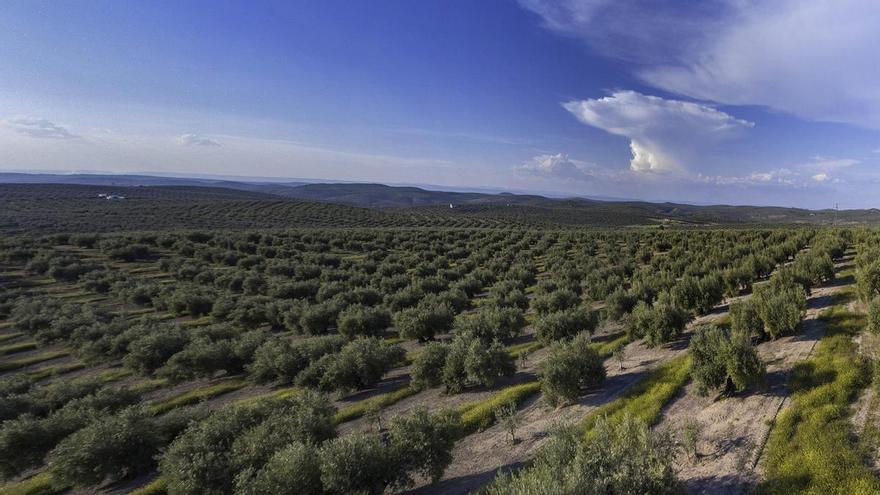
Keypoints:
pixel 17 347
pixel 15 364
pixel 355 411
pixel 40 484
pixel 10 336
pixel 197 395
pixel 480 415
pixel 281 393
pixel 605 349
pixel 645 400
pixel 56 370
pixel 155 487
pixel 518 350
pixel 812 447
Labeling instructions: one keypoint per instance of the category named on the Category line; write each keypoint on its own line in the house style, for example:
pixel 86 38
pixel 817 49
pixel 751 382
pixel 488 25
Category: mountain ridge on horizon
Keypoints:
pixel 357 193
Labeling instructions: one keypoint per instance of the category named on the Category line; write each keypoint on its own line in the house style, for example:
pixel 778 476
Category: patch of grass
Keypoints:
pixel 15 364
pixel 480 415
pixel 113 374
pixel 605 349
pixel 645 400
pixel 148 385
pixel 197 395
pixel 811 448
pixel 10 336
pixel 517 350
pixel 40 484
pixel 17 347
pixel 155 487
pixel 197 322
pixel 393 340
pixel 355 411
pixel 723 320
pixel 281 393
pixel 56 370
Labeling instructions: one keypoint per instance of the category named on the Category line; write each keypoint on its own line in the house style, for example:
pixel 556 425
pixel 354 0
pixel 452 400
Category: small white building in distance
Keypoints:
pixel 110 196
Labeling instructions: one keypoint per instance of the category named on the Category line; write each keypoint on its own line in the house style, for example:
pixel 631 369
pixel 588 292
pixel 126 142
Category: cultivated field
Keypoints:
pixel 415 360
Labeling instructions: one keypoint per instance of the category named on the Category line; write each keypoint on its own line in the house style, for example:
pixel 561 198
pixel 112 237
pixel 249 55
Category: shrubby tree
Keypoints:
pixel 278 360
pixel 745 319
pixel 658 323
pixel 359 320
pixel 621 457
pixel 569 367
pixel 874 317
pixel 427 368
pixel 619 303
pixel 424 321
pixel 360 363
pixel 566 324
pixel 557 300
pixel 724 360
pixel 115 446
pixel 491 323
pixel 293 470
pixel 781 307
pixel 207 456
pixel 470 361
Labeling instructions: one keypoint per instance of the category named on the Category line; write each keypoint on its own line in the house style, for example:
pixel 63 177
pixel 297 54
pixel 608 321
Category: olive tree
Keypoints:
pixel 724 360
pixel 568 368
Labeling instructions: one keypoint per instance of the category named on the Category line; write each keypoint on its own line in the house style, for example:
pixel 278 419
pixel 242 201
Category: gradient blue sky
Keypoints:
pixel 734 101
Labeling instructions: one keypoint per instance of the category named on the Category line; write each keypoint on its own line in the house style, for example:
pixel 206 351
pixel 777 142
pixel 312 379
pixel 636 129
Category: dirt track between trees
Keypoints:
pixel 735 428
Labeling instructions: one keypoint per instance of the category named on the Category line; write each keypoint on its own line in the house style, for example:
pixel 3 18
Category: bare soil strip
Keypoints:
pixel 479 457
pixel 735 429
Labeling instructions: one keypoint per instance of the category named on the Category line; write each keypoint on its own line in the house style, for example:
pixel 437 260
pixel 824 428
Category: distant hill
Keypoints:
pixel 31 195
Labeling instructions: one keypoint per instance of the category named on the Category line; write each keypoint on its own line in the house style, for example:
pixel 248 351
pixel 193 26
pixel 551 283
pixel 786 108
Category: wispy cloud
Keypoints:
pixel 39 128
pixel 197 140
pixel 665 135
pixel 811 58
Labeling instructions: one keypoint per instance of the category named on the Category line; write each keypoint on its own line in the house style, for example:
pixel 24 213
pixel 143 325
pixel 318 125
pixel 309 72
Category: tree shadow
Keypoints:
pixel 464 484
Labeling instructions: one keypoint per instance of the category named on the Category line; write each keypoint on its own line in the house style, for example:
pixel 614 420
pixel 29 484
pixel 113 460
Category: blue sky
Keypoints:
pixel 733 101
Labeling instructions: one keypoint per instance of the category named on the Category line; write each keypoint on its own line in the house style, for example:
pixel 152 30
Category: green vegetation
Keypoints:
pixel 164 318
pixel 481 414
pixel 355 411
pixel 644 400
pixel 197 395
pixel 811 447
pixel 14 364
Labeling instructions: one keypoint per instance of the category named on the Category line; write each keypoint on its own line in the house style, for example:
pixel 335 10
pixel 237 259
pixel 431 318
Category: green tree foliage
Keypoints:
pixel 424 321
pixel 470 361
pixel 565 324
pixel 745 319
pixel 781 307
pixel 491 323
pixel 208 455
pixel 427 368
pixel 658 323
pixel 360 363
pixel 724 360
pixel 278 360
pixel 359 320
pixel 622 457
pixel 568 368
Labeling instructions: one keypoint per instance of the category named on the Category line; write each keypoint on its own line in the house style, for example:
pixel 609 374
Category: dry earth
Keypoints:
pixel 735 429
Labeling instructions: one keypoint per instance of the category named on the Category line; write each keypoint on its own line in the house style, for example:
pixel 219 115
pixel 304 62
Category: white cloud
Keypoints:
pixel 812 58
pixel 558 166
pixel 196 140
pixel 820 177
pixel 39 128
pixel 665 135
